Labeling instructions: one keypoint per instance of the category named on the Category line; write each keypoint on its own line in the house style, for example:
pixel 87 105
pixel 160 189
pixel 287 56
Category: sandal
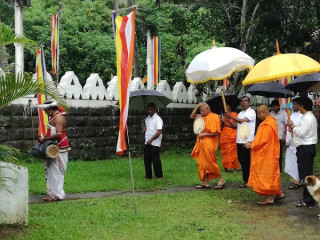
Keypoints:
pixel 201 186
pixel 265 203
pixel 294 186
pixel 219 186
pixel 302 203
pixel 243 185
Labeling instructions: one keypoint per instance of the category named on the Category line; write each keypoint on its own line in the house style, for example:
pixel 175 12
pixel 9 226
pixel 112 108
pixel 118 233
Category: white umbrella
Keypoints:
pixel 217 64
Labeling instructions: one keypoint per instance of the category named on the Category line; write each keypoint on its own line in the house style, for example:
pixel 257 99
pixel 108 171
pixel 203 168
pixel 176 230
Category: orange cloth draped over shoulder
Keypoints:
pixel 228 145
pixel 204 151
pixel 265 151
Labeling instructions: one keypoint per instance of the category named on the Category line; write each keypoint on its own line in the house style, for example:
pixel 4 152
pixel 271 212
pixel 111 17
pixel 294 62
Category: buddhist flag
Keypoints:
pixel 55 42
pixel 41 72
pixel 156 60
pixel 124 38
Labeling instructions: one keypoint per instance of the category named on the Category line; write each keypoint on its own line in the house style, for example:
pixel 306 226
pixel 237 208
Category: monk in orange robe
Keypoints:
pixel 228 144
pixel 265 151
pixel 204 151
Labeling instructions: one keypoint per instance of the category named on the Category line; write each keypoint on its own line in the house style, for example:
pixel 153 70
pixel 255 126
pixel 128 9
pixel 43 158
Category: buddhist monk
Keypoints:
pixel 204 151
pixel 228 144
pixel 264 175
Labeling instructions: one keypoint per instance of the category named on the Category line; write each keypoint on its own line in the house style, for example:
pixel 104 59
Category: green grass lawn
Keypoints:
pixel 179 169
pixel 224 214
pixel 89 176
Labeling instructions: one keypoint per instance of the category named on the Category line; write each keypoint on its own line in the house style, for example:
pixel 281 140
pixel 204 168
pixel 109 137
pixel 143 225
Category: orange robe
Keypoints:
pixel 228 145
pixel 204 151
pixel 265 151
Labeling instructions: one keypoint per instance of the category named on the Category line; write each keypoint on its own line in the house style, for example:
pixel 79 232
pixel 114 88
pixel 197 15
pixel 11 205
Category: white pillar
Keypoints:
pixel 150 85
pixel 18 27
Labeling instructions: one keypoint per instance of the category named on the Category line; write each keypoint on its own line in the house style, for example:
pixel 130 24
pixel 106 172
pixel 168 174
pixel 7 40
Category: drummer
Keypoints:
pixel 55 168
pixel 204 151
pixel 247 115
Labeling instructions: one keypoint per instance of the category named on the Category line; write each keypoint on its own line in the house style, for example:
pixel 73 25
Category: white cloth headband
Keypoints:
pixel 48 105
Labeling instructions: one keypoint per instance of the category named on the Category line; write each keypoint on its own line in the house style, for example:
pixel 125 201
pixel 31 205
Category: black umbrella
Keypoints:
pixel 270 89
pixel 308 82
pixel 216 105
pixel 139 99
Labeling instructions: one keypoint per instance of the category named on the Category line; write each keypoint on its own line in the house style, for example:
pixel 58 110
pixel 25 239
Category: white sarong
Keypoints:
pixel 291 165
pixel 55 169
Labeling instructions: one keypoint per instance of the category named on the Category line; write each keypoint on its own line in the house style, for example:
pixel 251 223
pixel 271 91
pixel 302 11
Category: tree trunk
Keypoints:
pixel 246 34
pixel 3 57
pixel 116 6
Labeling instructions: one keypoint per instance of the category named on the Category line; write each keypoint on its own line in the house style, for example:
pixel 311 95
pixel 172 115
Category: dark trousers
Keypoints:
pixel 305 158
pixel 152 155
pixel 280 158
pixel 244 160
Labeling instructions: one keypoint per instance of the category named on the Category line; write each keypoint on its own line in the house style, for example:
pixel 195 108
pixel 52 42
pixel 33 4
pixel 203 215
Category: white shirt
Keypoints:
pixel 306 132
pixel 153 124
pixel 296 119
pixel 281 119
pixel 249 114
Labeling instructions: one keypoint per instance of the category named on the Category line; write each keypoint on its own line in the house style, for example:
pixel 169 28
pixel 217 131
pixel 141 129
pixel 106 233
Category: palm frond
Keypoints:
pixel 14 86
pixel 7 37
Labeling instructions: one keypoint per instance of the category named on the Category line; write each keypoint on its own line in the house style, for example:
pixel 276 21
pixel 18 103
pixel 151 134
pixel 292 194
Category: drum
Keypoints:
pixel 47 149
pixel 198 125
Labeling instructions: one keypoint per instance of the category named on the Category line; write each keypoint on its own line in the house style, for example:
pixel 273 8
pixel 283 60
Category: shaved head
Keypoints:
pixel 205 105
pixel 263 108
pixel 263 112
pixel 205 109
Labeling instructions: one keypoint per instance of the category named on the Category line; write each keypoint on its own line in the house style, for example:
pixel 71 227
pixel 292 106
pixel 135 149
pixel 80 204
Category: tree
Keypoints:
pixel 86 36
pixel 14 86
pixel 186 28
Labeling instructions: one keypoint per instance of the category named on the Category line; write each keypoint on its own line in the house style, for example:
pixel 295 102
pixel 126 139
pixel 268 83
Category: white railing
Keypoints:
pixel 94 89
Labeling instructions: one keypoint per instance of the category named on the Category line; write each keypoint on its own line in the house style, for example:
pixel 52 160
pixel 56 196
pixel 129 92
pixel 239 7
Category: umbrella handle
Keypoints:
pixel 288 115
pixel 224 102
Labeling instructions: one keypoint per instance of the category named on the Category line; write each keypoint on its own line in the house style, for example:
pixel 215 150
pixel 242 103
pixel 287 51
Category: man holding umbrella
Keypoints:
pixel 305 139
pixel 246 116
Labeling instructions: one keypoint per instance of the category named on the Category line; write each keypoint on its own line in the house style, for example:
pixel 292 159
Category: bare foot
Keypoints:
pixel 47 199
pixel 279 197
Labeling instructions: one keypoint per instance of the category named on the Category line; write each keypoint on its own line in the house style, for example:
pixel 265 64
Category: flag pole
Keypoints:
pixel 131 174
pixel 123 9
pixel 58 22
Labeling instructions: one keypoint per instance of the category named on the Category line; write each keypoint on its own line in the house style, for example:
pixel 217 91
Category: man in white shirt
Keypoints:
pixel 305 138
pixel 291 165
pixel 281 119
pixel 246 116
pixel 153 137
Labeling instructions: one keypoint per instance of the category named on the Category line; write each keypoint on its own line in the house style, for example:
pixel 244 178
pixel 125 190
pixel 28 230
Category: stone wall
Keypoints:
pixel 93 131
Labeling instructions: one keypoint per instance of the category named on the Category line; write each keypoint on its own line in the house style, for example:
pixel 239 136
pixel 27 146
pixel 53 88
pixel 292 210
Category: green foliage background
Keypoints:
pixel 186 28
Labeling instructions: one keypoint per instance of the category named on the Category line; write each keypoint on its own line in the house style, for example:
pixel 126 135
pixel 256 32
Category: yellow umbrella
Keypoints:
pixel 281 65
